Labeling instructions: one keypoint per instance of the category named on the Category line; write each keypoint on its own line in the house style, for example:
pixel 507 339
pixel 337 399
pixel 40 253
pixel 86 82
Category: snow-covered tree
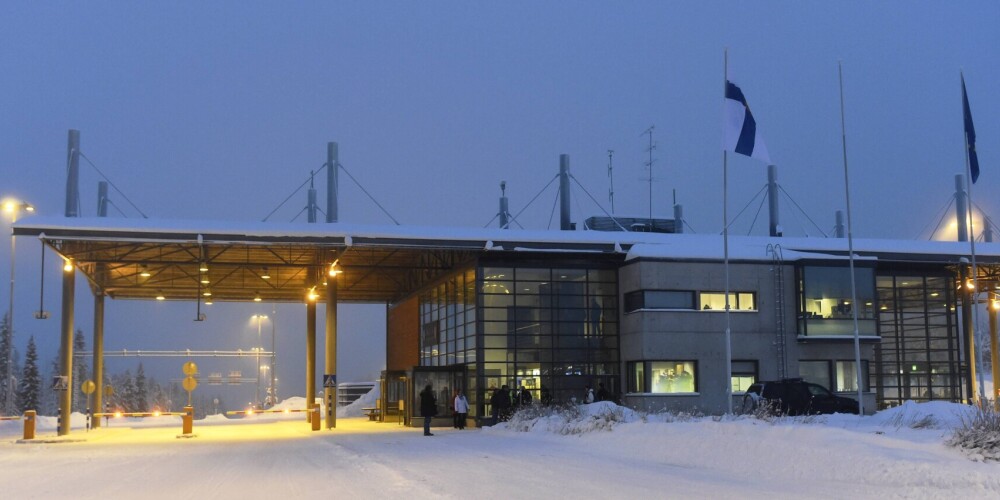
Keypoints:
pixel 141 390
pixel 81 372
pixel 50 397
pixel 7 402
pixel 29 390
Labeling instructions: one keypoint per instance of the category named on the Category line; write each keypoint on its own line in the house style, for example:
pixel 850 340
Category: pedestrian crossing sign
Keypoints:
pixel 330 381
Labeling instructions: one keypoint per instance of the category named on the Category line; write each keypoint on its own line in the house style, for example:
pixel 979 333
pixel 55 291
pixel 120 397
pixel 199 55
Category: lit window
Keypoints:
pixel 672 377
pixel 847 377
pixel 738 301
pixel 744 375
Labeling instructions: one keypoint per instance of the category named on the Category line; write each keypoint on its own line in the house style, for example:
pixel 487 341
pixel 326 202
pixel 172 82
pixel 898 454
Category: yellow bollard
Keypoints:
pixel 315 417
pixel 309 413
pixel 188 419
pixel 29 424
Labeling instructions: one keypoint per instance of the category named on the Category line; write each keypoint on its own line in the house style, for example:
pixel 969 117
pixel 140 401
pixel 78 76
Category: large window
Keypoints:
pixel 817 372
pixel 552 331
pixel 826 307
pixel 659 299
pixel 738 301
pixel 663 377
pixel 744 375
pixel 842 378
pixel 846 376
pixel 448 321
pixel 918 358
pixel 689 300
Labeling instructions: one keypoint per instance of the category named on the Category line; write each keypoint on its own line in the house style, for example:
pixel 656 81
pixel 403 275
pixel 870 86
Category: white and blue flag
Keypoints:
pixel 741 135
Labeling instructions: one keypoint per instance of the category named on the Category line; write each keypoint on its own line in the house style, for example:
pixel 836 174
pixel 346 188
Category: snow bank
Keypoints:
pixel 355 409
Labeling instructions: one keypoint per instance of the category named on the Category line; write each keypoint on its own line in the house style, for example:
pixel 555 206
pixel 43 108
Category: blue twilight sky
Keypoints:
pixel 220 111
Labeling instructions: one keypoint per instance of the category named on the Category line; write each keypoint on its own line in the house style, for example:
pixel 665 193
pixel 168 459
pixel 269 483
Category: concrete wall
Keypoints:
pixel 700 335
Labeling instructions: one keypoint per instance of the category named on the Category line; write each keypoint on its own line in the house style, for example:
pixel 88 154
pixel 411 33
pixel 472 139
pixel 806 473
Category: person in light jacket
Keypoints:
pixel 428 408
pixel 461 409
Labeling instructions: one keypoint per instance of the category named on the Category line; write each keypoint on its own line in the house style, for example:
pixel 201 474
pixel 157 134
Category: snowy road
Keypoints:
pixel 361 459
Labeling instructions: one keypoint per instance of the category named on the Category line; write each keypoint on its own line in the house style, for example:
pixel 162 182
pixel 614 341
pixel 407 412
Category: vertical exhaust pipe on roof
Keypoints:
pixel 961 208
pixel 503 205
pixel 332 186
pixel 987 230
pixel 838 228
pixel 73 174
pixel 772 200
pixel 564 219
pixel 678 218
pixel 102 199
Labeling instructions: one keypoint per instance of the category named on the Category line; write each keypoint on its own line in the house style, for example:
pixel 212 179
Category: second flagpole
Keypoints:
pixel 725 243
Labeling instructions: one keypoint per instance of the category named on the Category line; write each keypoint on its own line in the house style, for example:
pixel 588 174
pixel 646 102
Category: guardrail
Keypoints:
pixel 251 411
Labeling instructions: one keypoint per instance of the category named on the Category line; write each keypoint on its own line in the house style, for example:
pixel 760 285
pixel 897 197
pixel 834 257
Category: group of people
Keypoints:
pixel 503 402
pixel 602 394
pixel 428 408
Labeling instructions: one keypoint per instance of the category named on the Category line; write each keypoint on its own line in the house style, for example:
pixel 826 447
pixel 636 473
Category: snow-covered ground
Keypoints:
pixel 602 452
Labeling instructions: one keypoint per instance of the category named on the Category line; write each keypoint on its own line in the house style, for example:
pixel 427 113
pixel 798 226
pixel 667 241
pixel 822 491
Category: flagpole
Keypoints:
pixel 975 274
pixel 850 246
pixel 725 244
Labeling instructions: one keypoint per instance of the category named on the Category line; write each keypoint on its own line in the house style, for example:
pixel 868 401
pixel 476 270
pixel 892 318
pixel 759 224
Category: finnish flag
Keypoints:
pixel 741 133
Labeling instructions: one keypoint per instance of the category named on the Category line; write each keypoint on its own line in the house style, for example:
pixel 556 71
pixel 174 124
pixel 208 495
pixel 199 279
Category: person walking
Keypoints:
pixel 588 395
pixel 428 408
pixel 461 409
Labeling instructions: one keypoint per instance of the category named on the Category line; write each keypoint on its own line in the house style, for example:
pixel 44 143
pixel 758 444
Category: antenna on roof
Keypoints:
pixel 649 166
pixel 611 178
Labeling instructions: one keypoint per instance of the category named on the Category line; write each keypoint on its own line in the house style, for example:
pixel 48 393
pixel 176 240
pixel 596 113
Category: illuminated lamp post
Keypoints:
pixel 13 208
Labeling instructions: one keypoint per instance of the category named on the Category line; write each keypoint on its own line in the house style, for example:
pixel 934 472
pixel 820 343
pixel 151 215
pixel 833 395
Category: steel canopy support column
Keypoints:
pixel 98 357
pixel 310 358
pixel 330 377
pixel 994 355
pixel 66 351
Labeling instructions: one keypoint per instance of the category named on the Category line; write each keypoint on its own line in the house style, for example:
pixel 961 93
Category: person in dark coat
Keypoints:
pixel 501 403
pixel 546 396
pixel 428 408
pixel 525 397
pixel 602 393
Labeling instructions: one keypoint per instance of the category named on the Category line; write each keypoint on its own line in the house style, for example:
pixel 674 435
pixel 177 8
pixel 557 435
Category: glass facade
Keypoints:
pixel 918 358
pixel 448 339
pixel 825 307
pixel 552 331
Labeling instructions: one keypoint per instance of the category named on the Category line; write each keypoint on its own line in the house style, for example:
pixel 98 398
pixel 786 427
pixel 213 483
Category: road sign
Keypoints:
pixel 88 387
pixel 189 383
pixel 330 381
pixel 109 391
pixel 60 383
pixel 190 368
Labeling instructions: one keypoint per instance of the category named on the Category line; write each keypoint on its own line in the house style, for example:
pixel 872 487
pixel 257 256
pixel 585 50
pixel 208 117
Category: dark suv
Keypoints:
pixel 794 396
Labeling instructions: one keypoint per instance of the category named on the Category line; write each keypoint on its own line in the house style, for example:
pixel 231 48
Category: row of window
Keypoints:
pixel 681 376
pixel 689 300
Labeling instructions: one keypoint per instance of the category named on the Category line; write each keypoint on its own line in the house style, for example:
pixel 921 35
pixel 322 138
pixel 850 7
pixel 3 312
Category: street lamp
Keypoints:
pixel 13 208
pixel 259 318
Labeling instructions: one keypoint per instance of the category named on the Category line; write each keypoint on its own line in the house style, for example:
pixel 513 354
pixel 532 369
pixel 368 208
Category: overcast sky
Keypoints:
pixel 220 111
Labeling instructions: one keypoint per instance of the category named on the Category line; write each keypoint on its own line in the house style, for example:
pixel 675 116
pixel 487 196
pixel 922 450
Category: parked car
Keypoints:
pixel 796 397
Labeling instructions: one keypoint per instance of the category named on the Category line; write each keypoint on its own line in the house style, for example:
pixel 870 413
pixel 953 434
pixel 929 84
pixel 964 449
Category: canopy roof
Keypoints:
pixel 281 262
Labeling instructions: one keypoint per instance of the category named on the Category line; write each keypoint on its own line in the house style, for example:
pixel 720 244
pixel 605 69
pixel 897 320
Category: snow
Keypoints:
pixel 599 450
pixel 643 245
